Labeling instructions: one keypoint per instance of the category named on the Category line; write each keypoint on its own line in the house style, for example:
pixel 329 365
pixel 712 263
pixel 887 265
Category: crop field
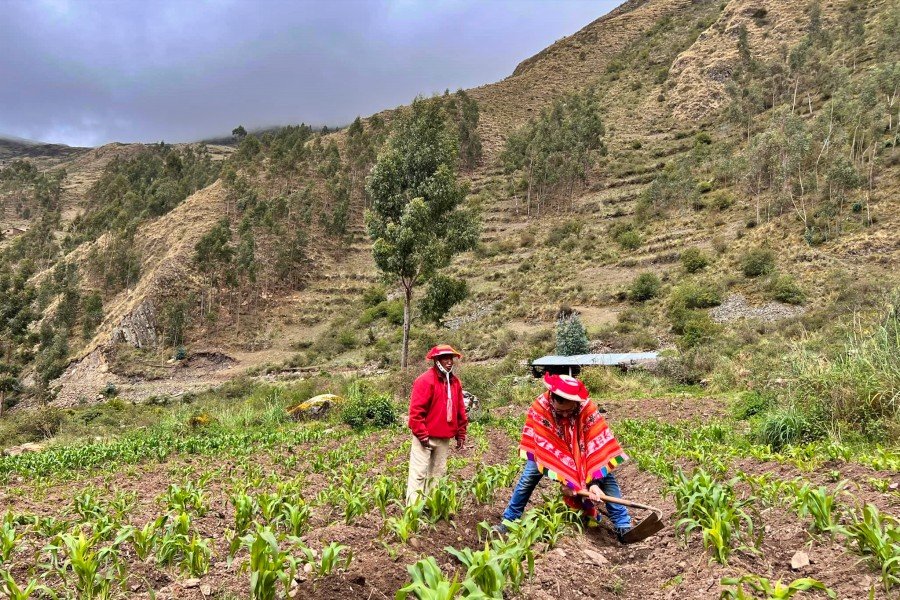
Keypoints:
pixel 303 510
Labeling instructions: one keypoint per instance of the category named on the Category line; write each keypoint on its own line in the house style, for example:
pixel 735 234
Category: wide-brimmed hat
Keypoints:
pixel 566 386
pixel 442 350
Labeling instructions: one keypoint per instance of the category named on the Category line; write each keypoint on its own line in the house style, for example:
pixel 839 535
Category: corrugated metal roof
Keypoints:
pixel 584 360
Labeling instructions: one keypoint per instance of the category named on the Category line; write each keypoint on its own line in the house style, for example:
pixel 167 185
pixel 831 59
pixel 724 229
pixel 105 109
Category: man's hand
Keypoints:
pixel 567 491
pixel 426 443
pixel 460 443
pixel 595 492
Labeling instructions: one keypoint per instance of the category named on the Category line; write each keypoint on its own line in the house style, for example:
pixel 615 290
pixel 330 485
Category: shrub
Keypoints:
pixel 704 187
pixel 696 294
pixel 785 289
pixel 374 295
pixel 781 427
pixel 629 239
pixel 688 368
pixel 698 330
pixel 719 200
pixel 362 409
pixel 758 261
pixel 694 259
pixel 644 287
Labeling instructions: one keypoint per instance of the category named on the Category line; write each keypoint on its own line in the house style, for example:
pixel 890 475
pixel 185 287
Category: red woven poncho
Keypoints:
pixel 573 450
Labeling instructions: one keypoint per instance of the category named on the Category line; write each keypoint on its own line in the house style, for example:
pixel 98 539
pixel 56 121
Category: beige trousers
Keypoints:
pixel 426 466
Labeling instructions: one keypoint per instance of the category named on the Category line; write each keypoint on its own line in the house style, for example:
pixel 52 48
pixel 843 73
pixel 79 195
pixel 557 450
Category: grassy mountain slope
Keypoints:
pixel 661 71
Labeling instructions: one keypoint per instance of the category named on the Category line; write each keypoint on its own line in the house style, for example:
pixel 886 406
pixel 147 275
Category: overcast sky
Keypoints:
pixel 85 73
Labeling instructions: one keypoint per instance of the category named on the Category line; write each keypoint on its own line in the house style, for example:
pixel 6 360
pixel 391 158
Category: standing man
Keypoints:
pixel 437 415
pixel 565 438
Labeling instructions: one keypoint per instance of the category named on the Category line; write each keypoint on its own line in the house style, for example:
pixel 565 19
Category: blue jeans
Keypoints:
pixel 531 477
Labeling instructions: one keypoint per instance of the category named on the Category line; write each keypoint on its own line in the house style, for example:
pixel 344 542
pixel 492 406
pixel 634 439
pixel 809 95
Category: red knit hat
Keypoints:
pixel 442 350
pixel 566 386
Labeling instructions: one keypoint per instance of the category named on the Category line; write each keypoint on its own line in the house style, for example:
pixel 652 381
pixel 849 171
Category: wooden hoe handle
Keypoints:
pixel 621 501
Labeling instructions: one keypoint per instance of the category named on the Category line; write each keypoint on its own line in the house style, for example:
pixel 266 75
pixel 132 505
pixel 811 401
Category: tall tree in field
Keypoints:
pixel 415 220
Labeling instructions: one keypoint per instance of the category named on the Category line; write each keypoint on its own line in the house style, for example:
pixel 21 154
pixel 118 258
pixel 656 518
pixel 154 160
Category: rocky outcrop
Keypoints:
pixel 138 328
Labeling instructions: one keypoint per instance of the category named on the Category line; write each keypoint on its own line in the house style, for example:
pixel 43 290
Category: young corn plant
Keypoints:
pixel 355 503
pixel 385 490
pixel 13 591
pixel 185 498
pixel 428 582
pixel 876 536
pixel 820 505
pixel 553 519
pixel 407 523
pixel 95 570
pixel 485 577
pixel 295 516
pixel 269 566
pixel 8 539
pixel 331 558
pixel 443 502
pixel 769 590
pixel 709 506
pixel 270 507
pixel 245 510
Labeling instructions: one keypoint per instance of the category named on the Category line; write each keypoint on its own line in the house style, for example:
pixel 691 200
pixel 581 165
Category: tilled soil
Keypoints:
pixel 591 564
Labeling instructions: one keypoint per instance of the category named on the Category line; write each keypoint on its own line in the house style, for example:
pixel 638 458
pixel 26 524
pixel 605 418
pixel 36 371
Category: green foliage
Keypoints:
pixel 703 503
pixel 818 503
pixel 364 408
pixel 416 221
pixel 149 184
pixel 758 261
pixel 555 150
pixel 784 289
pixel 442 294
pixel 645 286
pixel 781 427
pixel 93 314
pixel 770 591
pixel 443 501
pixel 693 260
pixel 675 186
pixel 428 583
pixel 571 336
pixel 876 536
pixel 117 265
pixel 463 110
pixel 698 330
pixel 566 230
pixel 269 565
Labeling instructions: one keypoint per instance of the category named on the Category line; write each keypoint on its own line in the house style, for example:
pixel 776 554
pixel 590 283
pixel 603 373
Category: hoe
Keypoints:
pixel 643 528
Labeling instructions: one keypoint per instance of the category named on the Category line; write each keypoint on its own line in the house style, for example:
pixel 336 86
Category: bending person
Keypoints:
pixel 567 439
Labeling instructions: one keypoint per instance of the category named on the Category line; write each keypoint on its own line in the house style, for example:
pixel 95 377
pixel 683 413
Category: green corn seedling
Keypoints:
pixel 8 539
pixel 245 509
pixel 820 505
pixel 427 582
pixel 769 590
pixel 145 539
pixel 95 570
pixel 185 498
pixel 484 571
pixel 296 516
pixel 13 591
pixel 331 559
pixel 269 566
pixel 384 491
pixel 407 523
pixel 355 505
pixel 443 502
pixel 876 536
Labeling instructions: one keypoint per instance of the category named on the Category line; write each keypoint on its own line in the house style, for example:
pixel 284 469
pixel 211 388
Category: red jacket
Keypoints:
pixel 428 407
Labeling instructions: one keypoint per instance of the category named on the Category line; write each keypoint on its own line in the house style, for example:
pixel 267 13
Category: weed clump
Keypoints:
pixel 362 409
pixel 693 260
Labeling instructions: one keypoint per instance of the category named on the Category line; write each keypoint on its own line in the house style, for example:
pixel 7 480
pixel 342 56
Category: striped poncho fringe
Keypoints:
pixel 573 451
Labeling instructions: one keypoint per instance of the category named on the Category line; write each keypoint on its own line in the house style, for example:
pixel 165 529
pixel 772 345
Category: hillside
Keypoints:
pixel 660 69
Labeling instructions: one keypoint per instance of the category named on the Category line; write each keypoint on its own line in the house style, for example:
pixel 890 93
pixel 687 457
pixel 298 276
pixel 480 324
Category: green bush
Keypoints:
pixel 629 239
pixel 750 404
pixel 688 368
pixel 571 337
pixel 373 296
pixel 784 289
pixel 392 310
pixel 644 287
pixel 720 200
pixel 758 261
pixel 693 260
pixel 696 294
pixel 363 409
pixel 698 330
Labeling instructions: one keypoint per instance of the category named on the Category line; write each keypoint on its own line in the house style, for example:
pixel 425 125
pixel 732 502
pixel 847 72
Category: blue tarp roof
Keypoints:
pixel 584 360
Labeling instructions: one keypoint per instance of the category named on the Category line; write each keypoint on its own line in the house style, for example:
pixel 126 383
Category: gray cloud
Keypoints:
pixel 90 72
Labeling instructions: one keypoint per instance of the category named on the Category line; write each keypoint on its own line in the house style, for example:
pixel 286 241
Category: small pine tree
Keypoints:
pixel 571 337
